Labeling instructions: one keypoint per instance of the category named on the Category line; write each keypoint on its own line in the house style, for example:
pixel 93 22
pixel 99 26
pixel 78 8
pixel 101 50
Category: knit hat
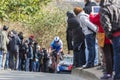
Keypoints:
pixel 77 10
pixel 31 37
pixel 5 28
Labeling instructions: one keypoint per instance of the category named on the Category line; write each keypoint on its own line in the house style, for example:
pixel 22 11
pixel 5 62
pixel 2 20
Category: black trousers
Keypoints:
pixel 108 52
pixel 79 54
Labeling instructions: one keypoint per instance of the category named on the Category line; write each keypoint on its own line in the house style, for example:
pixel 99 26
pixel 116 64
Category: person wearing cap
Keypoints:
pixel 89 29
pixel 3 44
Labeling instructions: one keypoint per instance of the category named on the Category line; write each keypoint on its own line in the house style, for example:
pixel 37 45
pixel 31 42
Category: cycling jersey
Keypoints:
pixel 56 46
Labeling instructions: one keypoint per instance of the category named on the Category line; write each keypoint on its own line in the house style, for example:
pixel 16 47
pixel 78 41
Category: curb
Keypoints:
pixel 90 74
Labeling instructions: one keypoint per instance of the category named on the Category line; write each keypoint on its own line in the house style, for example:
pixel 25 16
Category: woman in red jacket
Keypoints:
pixel 106 47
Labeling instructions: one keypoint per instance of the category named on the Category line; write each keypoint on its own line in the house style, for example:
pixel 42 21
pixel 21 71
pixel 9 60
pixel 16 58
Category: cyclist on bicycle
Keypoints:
pixel 56 45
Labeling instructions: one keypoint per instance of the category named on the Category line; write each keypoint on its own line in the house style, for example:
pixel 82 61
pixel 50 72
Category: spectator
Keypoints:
pixel 37 58
pixel 34 55
pixel 107 47
pixel 21 54
pixel 14 50
pixel 29 57
pixel 24 52
pixel 89 30
pixel 3 44
pixel 110 20
pixel 78 40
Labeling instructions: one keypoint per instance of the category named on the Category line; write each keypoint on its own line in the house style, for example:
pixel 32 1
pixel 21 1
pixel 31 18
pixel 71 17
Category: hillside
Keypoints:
pixel 47 23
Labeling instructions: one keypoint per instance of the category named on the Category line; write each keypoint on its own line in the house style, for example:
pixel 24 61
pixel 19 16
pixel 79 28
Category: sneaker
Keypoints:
pixel 106 76
pixel 87 66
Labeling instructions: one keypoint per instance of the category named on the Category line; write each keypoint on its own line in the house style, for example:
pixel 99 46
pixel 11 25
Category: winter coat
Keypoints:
pixel 76 30
pixel 30 52
pixel 88 6
pixel 87 26
pixel 96 20
pixel 14 43
pixel 5 41
pixel 69 39
pixel 110 16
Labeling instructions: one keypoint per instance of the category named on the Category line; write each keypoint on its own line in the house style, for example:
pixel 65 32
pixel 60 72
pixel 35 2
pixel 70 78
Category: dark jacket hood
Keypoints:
pixel 70 14
pixel 87 2
pixel 108 2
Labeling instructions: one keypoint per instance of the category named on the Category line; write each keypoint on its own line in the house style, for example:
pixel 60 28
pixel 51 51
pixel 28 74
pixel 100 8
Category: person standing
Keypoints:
pixel 14 50
pixel 4 41
pixel 29 57
pixel 89 29
pixel 106 46
pixel 110 20
pixel 77 36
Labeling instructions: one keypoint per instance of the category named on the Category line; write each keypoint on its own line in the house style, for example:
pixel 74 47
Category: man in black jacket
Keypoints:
pixel 77 38
pixel 110 20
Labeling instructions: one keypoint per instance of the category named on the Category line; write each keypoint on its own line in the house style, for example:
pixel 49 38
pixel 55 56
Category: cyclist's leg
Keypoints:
pixel 58 59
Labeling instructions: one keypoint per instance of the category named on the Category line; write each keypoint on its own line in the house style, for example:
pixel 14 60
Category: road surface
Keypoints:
pixel 21 75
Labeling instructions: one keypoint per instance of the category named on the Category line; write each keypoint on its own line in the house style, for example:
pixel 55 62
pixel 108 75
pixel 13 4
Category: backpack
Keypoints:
pixel 1 40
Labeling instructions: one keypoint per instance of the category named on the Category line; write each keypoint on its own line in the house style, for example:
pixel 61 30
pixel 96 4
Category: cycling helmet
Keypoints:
pixel 56 39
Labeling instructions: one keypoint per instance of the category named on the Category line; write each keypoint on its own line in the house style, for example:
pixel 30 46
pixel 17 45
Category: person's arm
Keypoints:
pixel 61 47
pixel 89 24
pixel 51 47
pixel 7 40
pixel 105 22
pixel 69 39
pixel 94 18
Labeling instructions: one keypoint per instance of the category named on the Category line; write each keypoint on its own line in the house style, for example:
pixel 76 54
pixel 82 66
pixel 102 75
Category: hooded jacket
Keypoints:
pixel 88 6
pixel 4 40
pixel 87 26
pixel 110 16
pixel 74 29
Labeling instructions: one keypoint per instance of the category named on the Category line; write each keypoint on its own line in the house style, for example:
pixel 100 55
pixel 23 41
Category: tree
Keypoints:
pixel 20 10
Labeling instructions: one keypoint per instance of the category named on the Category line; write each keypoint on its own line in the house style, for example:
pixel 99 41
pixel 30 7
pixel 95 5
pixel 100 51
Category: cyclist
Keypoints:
pixel 56 45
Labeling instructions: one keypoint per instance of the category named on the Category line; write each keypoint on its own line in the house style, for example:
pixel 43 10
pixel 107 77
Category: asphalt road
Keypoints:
pixel 17 75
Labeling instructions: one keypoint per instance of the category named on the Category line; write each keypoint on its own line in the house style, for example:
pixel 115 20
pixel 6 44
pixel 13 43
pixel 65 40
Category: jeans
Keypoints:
pixel 34 66
pixel 96 62
pixel 86 52
pixel 0 59
pixel 116 49
pixel 7 60
pixel 37 66
pixel 3 60
pixel 90 40
pixel 27 64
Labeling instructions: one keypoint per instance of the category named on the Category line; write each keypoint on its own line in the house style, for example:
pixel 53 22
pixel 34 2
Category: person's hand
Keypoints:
pixel 25 56
pixel 68 52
